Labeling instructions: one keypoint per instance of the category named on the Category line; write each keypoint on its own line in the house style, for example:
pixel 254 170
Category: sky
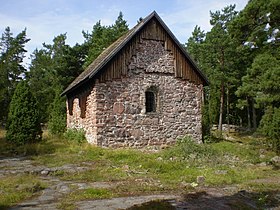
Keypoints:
pixel 45 19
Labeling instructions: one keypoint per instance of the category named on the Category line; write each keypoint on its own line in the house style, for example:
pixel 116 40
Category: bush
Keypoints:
pixel 23 125
pixel 189 150
pixel 57 122
pixel 206 125
pixel 75 135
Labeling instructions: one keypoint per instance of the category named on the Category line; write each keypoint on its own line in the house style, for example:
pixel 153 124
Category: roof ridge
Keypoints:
pixel 116 46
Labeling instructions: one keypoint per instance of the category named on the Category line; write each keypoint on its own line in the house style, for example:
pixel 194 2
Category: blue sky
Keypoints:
pixel 45 19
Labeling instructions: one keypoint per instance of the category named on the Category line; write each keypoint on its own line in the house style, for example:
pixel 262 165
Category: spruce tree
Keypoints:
pixel 12 53
pixel 23 119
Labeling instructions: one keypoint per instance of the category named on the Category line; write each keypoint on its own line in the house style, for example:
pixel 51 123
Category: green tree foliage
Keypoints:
pixel 57 119
pixel 258 25
pixel 23 119
pixel 54 66
pixel 256 30
pixel 11 67
pixel 220 47
pixel 41 79
pixel 270 126
pixel 58 64
pixel 260 86
pixel 102 36
pixel 214 52
pixel 240 55
pixel 262 80
pixel 195 45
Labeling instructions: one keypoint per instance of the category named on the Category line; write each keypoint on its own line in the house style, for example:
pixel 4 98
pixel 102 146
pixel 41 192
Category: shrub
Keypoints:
pixel 75 135
pixel 189 150
pixel 206 125
pixel 57 121
pixel 23 125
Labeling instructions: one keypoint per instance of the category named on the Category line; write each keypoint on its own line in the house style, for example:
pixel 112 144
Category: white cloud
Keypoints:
pixel 46 19
pixel 190 13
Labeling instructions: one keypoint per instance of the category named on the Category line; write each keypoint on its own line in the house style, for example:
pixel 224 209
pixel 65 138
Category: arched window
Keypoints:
pixel 151 100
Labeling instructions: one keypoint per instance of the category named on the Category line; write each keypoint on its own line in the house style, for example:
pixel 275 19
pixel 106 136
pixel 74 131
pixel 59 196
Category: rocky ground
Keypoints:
pixel 229 197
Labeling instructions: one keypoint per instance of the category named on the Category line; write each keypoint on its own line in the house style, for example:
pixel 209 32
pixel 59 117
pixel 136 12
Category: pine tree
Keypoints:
pixel 23 119
pixel 215 52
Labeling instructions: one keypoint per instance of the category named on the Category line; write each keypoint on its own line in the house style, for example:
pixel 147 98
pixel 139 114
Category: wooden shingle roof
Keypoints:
pixel 114 48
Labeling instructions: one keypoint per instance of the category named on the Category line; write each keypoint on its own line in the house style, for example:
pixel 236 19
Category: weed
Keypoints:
pixel 75 135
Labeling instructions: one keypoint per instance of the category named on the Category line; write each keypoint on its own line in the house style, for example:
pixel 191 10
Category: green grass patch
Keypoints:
pixel 79 195
pixel 221 163
pixel 17 188
pixel 99 173
pixel 136 172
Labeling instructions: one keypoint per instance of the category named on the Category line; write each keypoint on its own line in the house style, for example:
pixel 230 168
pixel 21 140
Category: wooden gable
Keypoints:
pixel 113 62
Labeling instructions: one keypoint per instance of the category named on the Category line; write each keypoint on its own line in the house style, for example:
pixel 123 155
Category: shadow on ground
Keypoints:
pixel 3 207
pixel 45 146
pixel 205 200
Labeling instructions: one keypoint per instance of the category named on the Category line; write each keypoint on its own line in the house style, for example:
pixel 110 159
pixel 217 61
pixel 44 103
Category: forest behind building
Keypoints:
pixel 240 56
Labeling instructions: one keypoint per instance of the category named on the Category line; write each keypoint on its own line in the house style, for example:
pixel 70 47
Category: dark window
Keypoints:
pixel 150 101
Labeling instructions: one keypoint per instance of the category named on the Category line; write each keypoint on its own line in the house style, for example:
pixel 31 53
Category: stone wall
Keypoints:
pixel 88 123
pixel 116 114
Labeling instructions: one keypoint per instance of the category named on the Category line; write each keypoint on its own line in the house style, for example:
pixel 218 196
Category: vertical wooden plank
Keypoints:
pixel 114 68
pixel 179 67
pixel 181 62
pixel 176 60
pixel 175 68
pixel 184 70
pixel 192 75
pixel 122 61
pixel 118 66
pixel 188 71
pixel 112 75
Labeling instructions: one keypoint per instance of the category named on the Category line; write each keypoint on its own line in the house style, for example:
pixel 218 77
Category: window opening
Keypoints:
pixel 150 101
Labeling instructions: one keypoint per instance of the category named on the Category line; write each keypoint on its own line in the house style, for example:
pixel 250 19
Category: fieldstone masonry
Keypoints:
pixel 115 110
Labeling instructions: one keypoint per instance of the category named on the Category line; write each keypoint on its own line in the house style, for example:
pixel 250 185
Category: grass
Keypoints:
pixel 15 188
pixel 171 167
pixel 80 195
pixel 138 172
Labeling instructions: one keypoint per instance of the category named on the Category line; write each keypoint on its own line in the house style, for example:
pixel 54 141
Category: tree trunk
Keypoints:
pixel 221 107
pixel 254 115
pixel 248 113
pixel 228 108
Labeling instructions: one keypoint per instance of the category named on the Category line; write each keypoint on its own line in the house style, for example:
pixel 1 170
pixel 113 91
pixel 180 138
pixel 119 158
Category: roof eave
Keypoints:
pixel 122 44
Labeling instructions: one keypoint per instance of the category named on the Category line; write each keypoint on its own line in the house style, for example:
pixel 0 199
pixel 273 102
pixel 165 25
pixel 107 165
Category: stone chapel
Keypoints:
pixel 143 90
